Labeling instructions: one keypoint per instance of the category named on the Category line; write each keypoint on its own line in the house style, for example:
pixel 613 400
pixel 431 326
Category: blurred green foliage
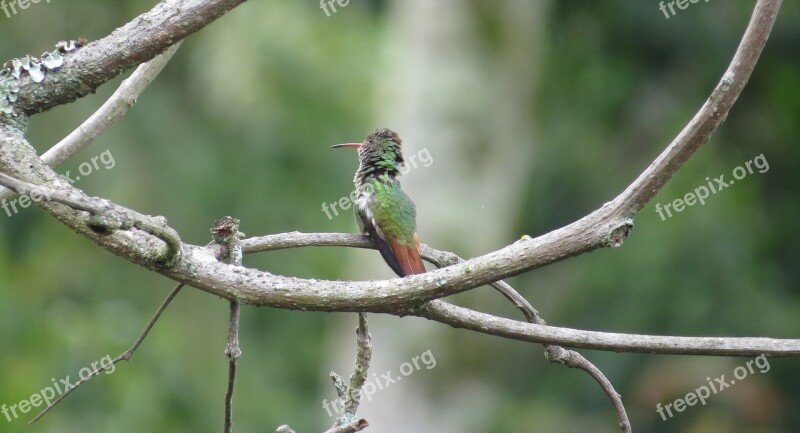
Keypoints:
pixel 239 124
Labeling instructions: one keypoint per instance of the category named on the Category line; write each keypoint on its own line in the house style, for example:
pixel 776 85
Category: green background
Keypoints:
pixel 534 113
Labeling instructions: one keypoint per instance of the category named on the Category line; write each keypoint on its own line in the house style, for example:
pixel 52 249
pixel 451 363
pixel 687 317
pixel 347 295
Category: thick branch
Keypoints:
pixel 105 216
pixel 711 114
pixel 136 42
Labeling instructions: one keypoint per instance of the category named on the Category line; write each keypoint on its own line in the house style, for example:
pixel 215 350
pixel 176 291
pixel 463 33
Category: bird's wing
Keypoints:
pixel 402 255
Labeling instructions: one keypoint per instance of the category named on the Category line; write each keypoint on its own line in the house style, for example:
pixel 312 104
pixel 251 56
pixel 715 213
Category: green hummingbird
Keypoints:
pixel 383 211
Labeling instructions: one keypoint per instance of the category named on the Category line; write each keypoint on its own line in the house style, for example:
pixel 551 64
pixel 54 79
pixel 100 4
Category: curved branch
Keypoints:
pixel 607 226
pixel 104 216
pixel 195 266
pixel 573 359
pixel 711 114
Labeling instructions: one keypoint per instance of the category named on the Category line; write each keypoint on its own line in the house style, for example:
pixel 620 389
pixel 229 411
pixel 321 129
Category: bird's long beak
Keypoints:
pixel 350 145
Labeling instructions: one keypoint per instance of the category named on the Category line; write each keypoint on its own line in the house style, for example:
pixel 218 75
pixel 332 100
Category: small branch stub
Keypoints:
pixel 619 234
pixel 226 240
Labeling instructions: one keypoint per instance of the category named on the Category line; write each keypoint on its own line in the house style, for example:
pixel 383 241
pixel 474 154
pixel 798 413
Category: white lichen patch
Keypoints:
pixel 37 68
pixel 36 71
pixel 65 46
pixel 5 106
pixel 52 61
pixel 17 68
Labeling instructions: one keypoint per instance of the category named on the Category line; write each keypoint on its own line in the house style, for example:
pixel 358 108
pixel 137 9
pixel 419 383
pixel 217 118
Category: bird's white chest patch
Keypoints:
pixel 363 201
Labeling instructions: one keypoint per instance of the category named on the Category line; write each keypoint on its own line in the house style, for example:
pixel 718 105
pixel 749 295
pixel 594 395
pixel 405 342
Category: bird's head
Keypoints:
pixel 380 153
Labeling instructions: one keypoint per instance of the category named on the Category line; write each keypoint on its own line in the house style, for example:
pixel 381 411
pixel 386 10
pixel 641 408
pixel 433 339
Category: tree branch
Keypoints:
pixel 459 317
pixel 573 359
pixel 112 110
pixel 350 394
pixel 140 40
pixel 105 216
pixel 609 225
pixel 360 371
pixel 711 115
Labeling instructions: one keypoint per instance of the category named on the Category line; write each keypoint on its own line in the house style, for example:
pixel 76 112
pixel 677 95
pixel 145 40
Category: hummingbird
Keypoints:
pixel 383 211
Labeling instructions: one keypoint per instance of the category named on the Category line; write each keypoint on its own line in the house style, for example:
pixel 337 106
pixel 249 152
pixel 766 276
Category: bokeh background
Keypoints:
pixel 533 113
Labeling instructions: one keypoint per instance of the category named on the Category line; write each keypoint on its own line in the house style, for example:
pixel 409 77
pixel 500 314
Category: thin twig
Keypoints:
pixel 359 376
pixel 227 237
pixel 350 394
pixel 233 352
pixel 124 356
pixel 352 426
pixel 44 193
pixel 573 359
